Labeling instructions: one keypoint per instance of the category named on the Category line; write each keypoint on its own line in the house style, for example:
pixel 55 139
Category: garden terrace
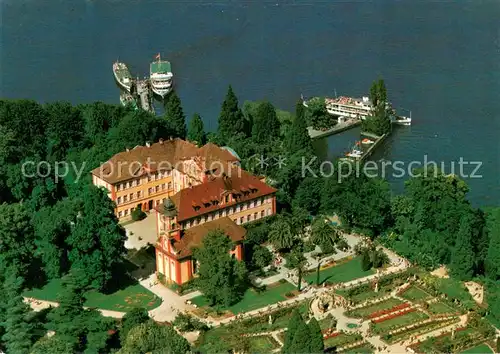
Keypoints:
pixel 231 333
pixel 464 338
pixel 253 298
pixel 438 308
pixel 414 293
pixel 344 270
pixel 362 349
pixel 342 339
pixel 397 321
pixel 262 344
pixel 481 348
pixel 366 311
pixel 418 329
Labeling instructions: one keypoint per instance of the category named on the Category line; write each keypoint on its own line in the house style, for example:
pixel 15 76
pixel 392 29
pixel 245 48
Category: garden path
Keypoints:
pixel 39 305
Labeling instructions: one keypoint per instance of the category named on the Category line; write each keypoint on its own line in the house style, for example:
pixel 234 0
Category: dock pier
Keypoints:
pixel 144 93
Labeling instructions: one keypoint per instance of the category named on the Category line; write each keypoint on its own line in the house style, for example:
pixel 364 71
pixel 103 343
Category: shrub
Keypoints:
pixel 187 323
pixel 262 257
pixel 138 214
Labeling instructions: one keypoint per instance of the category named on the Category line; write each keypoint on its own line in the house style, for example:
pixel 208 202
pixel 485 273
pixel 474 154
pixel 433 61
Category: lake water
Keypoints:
pixel 439 59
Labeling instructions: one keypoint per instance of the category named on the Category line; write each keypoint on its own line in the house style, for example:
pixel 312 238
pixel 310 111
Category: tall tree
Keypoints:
pixel 298 137
pixel 196 133
pixel 281 234
pixel 16 236
pixel 222 279
pixel 301 342
pixel 266 125
pixel 52 226
pixel 54 344
pixel 293 325
pixel 97 241
pixel 319 117
pixel 66 319
pixel 231 119
pixel 462 258
pixel 379 121
pixel 175 115
pixel 492 262
pixel 324 235
pixel 316 337
pixel 18 327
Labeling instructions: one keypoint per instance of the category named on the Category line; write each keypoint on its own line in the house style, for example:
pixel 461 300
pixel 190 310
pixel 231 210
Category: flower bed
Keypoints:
pixel 342 339
pixel 392 309
pixel 366 311
pixel 394 315
pixel 419 329
pixel 400 321
pixel 327 335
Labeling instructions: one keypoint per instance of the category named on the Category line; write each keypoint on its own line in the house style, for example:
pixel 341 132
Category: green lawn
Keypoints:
pixel 122 300
pixel 341 273
pixel 366 349
pixel 399 321
pixel 262 344
pixel 368 310
pixel 415 293
pixel 480 349
pixel 440 307
pixel 252 299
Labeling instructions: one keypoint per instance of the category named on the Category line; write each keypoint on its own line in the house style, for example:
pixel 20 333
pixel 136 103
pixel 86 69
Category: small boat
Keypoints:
pixel 403 120
pixel 160 74
pixel 367 141
pixel 122 75
pixel 127 99
pixel 355 153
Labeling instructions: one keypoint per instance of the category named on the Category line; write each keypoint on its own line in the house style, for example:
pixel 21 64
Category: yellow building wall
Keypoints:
pixel 185 276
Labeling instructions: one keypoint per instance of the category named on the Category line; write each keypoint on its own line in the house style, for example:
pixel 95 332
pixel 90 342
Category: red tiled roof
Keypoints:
pixel 193 237
pixel 163 155
pixel 185 199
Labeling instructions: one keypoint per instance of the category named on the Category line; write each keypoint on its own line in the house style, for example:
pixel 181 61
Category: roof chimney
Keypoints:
pixel 161 141
pixel 148 144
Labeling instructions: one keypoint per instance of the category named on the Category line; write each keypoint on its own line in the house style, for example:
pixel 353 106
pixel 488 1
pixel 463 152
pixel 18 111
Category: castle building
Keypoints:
pixel 192 191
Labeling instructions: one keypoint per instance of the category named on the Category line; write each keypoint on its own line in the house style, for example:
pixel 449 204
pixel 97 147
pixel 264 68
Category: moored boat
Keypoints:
pixel 127 99
pixel 367 141
pixel 403 120
pixel 122 75
pixel 160 75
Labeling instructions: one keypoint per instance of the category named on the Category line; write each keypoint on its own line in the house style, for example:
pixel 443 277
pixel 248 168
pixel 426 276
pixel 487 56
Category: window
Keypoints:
pixel 169 185
pixel 242 220
pixel 262 213
pixel 227 199
pixel 251 204
pixel 150 190
pixel 248 217
pixel 149 178
pixel 118 200
pixel 127 185
pixel 133 183
pixel 157 189
pixel 255 216
pixel 125 198
pixel 131 196
pixel 120 214
pixel 243 206
pixel 205 218
pixel 238 208
pixel 190 223
pixel 257 202
pixel 138 194
pixel 126 212
pixel 220 213
pixel 131 210
pixel 139 182
pixel 162 186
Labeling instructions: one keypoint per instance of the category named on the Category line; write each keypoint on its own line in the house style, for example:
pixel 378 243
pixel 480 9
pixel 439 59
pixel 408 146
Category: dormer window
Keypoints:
pixel 227 199
pixel 206 203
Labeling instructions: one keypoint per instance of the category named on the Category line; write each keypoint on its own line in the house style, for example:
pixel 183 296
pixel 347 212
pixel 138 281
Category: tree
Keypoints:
pixel 97 241
pixel 316 337
pixel 298 137
pixel 462 258
pixel 134 317
pixel 52 226
pixel 54 344
pixel 293 325
pixel 324 235
pixel 262 257
pixel 16 236
pixel 366 262
pixel 266 126
pixel 222 279
pixel 301 342
pixel 97 331
pixel 175 115
pixel 308 195
pixel 231 119
pixel 281 234
pixel 492 262
pixel 18 327
pixel 151 337
pixel 378 122
pixel 319 116
pixel 66 319
pixel 196 134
